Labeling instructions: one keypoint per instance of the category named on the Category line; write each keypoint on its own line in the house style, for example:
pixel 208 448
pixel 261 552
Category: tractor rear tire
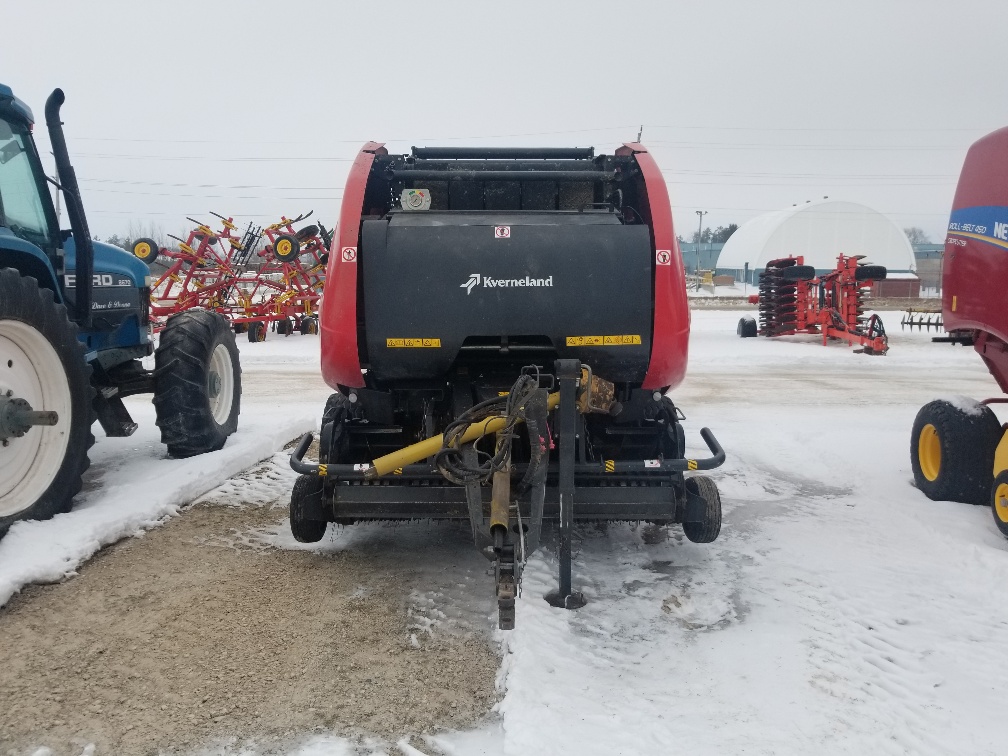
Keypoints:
pixel 952 452
pixel 286 248
pixel 747 328
pixel 303 527
pixel 146 250
pixel 999 502
pixel 42 362
pixel 256 331
pixel 198 399
pixel 706 531
pixel 797 273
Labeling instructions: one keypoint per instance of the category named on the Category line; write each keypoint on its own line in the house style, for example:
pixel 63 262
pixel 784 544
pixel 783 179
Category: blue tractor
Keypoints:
pixel 74 329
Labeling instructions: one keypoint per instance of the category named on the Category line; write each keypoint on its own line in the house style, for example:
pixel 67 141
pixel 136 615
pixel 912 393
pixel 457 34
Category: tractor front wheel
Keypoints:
pixel 42 370
pixel 952 451
pixel 198 398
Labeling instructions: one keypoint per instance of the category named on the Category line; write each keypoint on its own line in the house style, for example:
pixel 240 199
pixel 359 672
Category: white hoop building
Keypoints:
pixel 818 231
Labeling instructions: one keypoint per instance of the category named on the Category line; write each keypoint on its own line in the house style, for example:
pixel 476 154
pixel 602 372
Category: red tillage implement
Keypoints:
pixel 793 299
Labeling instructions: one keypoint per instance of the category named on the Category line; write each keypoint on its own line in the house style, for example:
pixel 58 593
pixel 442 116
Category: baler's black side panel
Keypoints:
pixel 432 280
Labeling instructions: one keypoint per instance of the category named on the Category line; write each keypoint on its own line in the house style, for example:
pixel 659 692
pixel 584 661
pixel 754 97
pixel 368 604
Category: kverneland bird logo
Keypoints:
pixel 475 279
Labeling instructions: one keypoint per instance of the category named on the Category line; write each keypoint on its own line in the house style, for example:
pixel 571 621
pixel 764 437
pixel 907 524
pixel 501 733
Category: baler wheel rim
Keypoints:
pixel 929 452
pixel 999 501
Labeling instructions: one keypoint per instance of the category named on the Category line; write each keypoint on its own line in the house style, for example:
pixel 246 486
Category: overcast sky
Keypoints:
pixel 255 109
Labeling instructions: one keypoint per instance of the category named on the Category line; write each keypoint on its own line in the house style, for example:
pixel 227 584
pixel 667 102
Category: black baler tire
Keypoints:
pixel 182 393
pixel 22 299
pixel 708 530
pixel 798 273
pixel 746 328
pixel 967 444
pixel 303 529
pixel 999 481
pixel 292 253
pixel 870 273
pixel 146 250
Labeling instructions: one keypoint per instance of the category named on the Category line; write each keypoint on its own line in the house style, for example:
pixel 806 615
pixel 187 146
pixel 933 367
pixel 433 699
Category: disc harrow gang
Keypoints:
pixel 262 278
pixel 793 299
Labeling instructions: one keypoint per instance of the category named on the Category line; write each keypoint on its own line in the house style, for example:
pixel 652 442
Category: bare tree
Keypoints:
pixel 917 235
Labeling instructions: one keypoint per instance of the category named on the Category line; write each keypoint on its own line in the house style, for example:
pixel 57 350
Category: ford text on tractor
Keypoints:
pixel 958 448
pixel 502 328
pixel 74 329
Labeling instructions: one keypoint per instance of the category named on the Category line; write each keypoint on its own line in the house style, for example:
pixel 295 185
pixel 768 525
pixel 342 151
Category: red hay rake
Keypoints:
pixel 278 286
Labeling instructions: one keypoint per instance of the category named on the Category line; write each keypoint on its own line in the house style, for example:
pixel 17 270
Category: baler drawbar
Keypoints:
pixel 502 327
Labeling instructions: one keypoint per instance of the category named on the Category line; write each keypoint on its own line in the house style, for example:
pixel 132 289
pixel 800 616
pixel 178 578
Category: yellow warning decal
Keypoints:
pixel 618 340
pixel 323 470
pixel 691 464
pixel 413 343
pixel 610 465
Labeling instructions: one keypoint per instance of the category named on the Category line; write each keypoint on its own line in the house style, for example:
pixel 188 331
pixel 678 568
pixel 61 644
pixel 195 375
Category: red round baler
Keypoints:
pixel 501 327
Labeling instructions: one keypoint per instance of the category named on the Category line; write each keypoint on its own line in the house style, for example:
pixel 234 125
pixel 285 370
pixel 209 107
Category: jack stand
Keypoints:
pixel 568 375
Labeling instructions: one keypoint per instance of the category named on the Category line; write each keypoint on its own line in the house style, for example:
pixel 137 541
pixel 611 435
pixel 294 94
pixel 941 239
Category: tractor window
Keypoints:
pixel 22 207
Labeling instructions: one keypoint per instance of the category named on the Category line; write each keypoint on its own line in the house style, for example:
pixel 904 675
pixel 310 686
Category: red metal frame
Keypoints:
pixel 831 305
pixel 671 325
pixel 206 272
pixel 341 364
pixel 975 268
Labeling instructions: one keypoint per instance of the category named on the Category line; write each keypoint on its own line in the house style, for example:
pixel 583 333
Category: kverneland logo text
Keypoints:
pixel 476 279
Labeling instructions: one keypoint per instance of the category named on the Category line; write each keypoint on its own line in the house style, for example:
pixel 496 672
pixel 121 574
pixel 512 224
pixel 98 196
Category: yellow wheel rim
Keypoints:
pixel 283 247
pixel 1001 502
pixel 929 452
pixel 142 251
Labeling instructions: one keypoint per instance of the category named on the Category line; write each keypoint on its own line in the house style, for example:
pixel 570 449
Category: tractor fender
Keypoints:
pixel 28 260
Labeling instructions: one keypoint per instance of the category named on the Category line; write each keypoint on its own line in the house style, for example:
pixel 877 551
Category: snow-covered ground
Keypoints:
pixel 840 611
pixel 132 483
